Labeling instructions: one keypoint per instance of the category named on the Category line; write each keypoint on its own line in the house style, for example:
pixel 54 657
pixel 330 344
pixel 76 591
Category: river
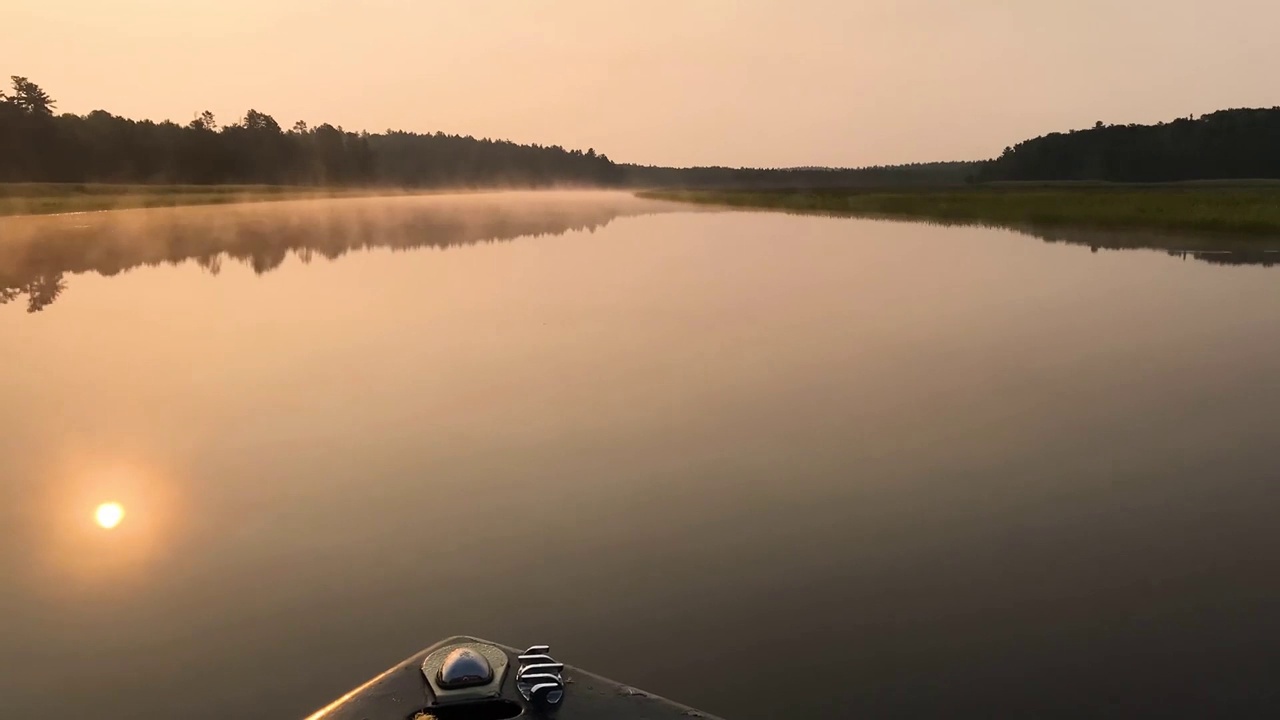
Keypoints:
pixel 767 465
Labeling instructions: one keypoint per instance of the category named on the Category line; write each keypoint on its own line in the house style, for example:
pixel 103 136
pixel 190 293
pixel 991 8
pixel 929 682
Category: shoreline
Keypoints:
pixel 1248 210
pixel 57 199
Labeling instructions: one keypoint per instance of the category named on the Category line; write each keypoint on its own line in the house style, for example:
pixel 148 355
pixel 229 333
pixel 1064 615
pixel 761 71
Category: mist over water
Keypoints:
pixel 38 252
pixel 251 456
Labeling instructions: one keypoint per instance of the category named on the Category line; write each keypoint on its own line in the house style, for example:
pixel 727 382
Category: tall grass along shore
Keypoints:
pixel 49 198
pixel 1246 208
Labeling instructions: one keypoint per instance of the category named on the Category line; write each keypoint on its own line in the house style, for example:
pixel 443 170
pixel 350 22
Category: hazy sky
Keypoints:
pixel 731 82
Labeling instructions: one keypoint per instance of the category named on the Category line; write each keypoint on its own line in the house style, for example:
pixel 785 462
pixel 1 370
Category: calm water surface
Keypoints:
pixel 929 471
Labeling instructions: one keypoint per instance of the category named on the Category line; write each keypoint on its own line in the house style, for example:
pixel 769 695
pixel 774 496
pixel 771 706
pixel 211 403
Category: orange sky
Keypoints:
pixel 732 82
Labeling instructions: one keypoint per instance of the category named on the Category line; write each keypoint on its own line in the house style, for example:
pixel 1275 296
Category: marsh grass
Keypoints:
pixel 1236 209
pixel 48 198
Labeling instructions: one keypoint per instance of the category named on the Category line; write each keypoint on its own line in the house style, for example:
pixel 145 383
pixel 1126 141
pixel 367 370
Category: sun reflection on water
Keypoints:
pixel 103 524
pixel 108 515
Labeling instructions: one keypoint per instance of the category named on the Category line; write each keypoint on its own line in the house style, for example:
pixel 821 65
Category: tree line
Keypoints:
pixel 1228 144
pixel 39 145
pixel 882 176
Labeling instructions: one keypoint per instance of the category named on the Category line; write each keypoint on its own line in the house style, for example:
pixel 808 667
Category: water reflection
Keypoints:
pixel 108 515
pixel 40 291
pixel 1215 249
pixel 1218 250
pixel 1265 258
pixel 980 474
pixel 37 253
pixel 96 524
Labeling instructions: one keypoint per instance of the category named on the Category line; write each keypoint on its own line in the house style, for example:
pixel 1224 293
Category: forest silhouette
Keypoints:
pixel 1228 144
pixel 39 145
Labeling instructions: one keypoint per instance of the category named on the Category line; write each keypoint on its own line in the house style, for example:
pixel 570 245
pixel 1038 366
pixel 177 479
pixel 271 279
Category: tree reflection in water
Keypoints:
pixel 36 253
pixel 1216 250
